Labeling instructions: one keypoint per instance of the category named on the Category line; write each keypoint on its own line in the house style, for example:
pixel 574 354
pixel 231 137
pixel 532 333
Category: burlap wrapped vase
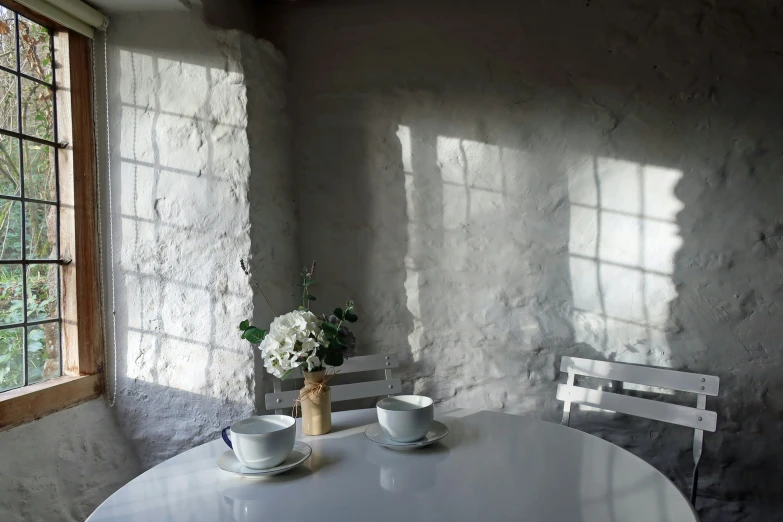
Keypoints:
pixel 315 400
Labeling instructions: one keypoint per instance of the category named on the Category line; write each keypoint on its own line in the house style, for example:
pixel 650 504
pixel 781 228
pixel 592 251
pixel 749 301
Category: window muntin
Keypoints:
pixel 30 325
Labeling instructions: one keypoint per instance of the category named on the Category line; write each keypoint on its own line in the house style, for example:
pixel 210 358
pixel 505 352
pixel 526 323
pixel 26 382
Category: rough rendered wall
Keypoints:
pixel 499 184
pixel 63 466
pixel 181 166
pixel 273 222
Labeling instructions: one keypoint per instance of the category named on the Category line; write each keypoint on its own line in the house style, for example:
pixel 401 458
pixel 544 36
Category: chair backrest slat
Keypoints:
pixel 365 363
pixel 341 392
pixel 656 410
pixel 644 375
pixel 698 418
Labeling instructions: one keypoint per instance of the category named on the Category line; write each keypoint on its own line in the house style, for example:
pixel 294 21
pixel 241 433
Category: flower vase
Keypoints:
pixel 316 401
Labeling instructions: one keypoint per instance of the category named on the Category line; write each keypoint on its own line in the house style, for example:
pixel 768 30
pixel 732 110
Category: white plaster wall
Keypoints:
pixel 63 466
pixel 271 192
pixel 499 184
pixel 182 151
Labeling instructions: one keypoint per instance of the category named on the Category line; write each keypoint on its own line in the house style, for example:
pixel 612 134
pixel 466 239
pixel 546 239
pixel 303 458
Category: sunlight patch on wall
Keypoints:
pixel 457 201
pixel 622 243
pixel 175 131
pixel 473 180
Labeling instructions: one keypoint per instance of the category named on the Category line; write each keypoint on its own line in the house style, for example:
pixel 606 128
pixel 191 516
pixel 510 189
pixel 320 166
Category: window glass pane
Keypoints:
pixel 35 50
pixel 43 352
pixel 40 230
pixel 39 180
pixel 7 38
pixel 9 166
pixel 10 229
pixel 11 293
pixel 9 116
pixel 37 110
pixel 11 358
pixel 42 292
pixel 27 228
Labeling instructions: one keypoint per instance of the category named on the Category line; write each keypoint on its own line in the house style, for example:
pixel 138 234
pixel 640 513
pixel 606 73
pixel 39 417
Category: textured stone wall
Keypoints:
pixel 499 184
pixel 274 250
pixel 63 466
pixel 182 153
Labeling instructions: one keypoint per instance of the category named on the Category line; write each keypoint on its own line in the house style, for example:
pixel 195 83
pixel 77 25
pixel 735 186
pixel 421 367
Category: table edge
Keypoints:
pixel 440 413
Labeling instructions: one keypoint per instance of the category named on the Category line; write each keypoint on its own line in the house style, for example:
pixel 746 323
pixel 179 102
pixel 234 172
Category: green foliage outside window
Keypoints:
pixel 34 168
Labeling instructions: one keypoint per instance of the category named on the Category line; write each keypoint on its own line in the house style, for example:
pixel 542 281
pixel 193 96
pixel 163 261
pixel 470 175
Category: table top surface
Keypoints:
pixel 491 467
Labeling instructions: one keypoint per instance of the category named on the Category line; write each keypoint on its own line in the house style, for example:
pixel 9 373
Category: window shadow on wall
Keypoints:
pixel 459 241
pixel 179 232
pixel 562 196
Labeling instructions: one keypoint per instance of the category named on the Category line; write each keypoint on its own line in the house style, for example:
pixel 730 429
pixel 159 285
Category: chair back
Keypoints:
pixel 698 418
pixel 280 399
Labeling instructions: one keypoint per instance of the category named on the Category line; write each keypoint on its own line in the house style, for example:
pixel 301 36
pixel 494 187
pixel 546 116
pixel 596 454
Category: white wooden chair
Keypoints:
pixel 698 418
pixel 280 399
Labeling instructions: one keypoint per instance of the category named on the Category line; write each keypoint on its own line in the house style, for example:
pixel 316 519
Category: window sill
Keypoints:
pixel 37 400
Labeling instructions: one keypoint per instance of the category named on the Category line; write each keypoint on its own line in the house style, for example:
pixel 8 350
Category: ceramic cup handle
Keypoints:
pixel 225 436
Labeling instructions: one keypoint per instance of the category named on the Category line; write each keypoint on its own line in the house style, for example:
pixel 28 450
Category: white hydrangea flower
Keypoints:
pixel 309 345
pixel 292 340
pixel 313 362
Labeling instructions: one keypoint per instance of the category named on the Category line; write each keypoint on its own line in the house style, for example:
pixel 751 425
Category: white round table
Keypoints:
pixel 491 467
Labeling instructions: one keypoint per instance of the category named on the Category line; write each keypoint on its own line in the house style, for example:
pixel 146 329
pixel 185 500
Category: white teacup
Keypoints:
pixel 261 442
pixel 405 418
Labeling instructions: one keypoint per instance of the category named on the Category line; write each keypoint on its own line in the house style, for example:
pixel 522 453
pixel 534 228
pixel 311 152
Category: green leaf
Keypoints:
pixel 326 326
pixel 338 312
pixel 351 317
pixel 333 359
pixel 254 335
pixel 310 297
pixel 286 374
pixel 244 325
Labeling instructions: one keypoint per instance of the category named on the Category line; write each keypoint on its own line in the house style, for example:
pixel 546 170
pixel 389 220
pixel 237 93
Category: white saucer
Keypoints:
pixel 227 461
pixel 437 431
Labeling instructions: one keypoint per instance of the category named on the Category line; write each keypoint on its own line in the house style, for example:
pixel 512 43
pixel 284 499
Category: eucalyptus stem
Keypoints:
pixel 305 300
pixel 307 281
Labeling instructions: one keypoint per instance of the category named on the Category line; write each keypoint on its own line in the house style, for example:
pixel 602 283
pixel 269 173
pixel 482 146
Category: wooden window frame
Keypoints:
pixel 80 294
